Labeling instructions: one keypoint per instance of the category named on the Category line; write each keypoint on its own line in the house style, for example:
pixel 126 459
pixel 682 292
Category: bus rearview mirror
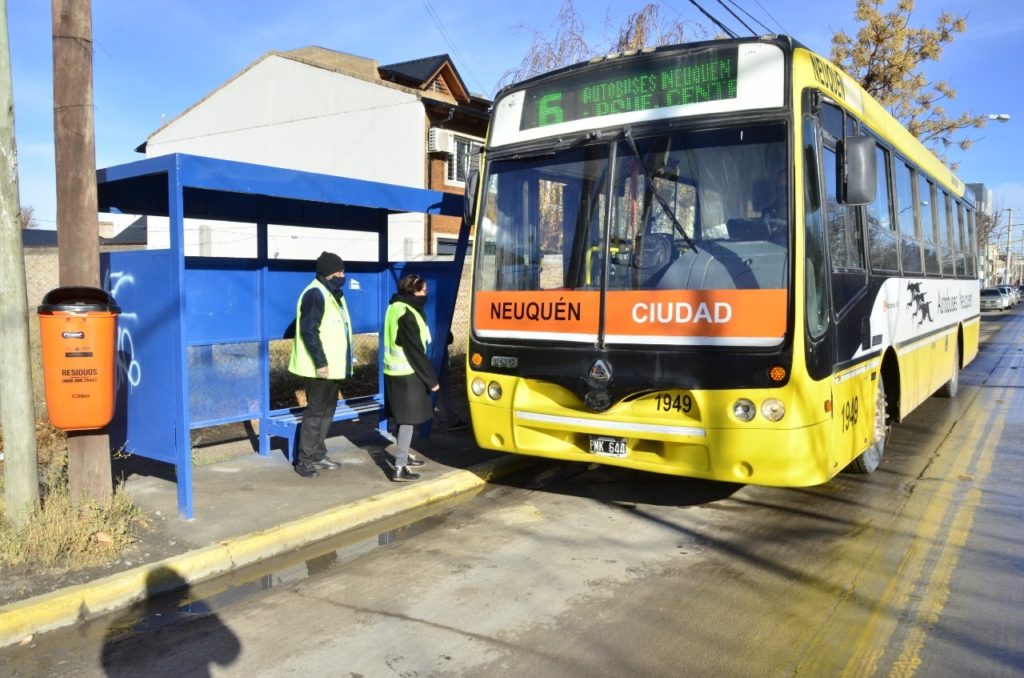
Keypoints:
pixel 469 206
pixel 860 169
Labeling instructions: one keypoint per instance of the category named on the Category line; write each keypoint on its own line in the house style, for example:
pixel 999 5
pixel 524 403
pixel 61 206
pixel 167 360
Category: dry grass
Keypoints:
pixel 63 535
pixel 286 389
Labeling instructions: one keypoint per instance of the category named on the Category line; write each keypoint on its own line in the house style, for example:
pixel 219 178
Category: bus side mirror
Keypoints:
pixel 469 204
pixel 861 172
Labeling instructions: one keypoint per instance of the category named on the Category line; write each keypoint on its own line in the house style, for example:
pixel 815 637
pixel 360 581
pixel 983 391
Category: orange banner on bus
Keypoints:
pixel 548 311
pixel 735 314
pixel 666 313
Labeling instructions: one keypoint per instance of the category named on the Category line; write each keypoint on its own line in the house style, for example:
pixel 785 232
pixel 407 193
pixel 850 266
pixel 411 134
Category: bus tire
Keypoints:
pixel 868 460
pixel 950 388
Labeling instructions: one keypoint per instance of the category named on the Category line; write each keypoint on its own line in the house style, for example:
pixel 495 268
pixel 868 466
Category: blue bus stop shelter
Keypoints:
pixel 194 331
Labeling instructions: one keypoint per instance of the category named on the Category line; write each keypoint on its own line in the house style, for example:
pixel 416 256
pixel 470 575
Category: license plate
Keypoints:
pixel 605 446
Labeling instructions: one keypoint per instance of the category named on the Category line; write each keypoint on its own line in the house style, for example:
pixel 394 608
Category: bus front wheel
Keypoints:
pixel 870 458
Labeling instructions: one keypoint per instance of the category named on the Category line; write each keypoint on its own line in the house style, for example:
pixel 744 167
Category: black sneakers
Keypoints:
pixel 413 462
pixel 404 475
pixel 306 471
pixel 326 463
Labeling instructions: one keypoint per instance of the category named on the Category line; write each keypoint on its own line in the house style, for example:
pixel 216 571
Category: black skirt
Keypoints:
pixel 408 400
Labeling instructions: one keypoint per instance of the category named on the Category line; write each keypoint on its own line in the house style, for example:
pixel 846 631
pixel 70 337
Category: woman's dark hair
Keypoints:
pixel 411 284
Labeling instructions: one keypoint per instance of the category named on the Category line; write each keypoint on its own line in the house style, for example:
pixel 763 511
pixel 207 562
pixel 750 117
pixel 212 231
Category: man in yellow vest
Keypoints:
pixel 322 355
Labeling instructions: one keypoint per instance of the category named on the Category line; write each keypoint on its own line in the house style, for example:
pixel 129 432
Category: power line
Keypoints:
pixel 725 29
pixel 273 123
pixel 781 28
pixel 754 18
pixel 451 44
pixel 736 16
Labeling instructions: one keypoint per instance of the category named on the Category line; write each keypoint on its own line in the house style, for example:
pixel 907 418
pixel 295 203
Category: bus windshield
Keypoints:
pixel 697 210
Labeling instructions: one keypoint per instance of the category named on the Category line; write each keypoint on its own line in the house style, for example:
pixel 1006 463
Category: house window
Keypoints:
pixel 465 157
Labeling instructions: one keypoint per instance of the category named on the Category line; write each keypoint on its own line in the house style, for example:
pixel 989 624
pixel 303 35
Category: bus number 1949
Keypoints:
pixel 668 402
pixel 850 413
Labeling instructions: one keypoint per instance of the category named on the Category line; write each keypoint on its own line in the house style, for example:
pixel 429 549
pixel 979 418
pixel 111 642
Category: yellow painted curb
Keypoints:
pixel 76 603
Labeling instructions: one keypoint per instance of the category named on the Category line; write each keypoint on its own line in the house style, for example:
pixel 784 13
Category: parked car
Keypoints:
pixel 1009 291
pixel 994 299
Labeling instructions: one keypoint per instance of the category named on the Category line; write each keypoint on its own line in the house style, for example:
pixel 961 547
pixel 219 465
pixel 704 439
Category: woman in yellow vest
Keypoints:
pixel 409 377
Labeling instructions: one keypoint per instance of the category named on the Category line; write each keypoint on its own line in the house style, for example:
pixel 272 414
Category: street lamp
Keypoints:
pixel 998 117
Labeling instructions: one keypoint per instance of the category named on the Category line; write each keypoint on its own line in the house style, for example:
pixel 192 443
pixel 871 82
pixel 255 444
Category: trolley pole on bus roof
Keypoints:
pixel 77 236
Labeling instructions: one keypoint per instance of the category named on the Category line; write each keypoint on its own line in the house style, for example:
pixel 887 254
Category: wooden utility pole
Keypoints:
pixel 77 235
pixel 17 406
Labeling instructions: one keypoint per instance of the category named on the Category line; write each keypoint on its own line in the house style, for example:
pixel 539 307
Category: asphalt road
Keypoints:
pixel 914 570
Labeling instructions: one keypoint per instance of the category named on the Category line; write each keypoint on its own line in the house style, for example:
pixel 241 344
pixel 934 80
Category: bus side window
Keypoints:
pixel 883 251
pixel 906 206
pixel 960 241
pixel 972 254
pixel 929 225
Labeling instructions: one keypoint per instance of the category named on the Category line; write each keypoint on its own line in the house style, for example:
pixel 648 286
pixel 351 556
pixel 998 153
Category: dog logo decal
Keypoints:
pixel 917 299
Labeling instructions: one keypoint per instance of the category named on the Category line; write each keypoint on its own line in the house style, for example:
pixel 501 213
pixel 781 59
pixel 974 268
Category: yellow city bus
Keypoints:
pixel 722 260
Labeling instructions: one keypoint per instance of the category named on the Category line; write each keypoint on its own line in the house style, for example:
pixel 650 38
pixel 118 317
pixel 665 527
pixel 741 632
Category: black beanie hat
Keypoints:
pixel 328 263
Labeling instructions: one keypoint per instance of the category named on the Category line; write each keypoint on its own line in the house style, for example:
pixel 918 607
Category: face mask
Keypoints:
pixel 336 284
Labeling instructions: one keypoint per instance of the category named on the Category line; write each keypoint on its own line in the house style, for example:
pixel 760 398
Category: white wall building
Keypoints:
pixel 318 110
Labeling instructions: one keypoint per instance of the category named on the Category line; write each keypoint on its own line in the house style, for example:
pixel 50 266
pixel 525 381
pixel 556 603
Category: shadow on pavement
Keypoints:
pixel 168 600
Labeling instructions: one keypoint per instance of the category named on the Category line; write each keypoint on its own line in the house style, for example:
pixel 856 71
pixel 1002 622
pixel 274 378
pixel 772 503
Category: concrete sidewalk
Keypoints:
pixel 250 508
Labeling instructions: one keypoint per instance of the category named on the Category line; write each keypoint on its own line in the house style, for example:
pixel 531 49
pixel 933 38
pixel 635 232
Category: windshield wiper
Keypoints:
pixel 549 150
pixel 628 135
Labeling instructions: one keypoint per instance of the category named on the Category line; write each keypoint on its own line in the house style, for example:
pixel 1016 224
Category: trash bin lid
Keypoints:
pixel 78 299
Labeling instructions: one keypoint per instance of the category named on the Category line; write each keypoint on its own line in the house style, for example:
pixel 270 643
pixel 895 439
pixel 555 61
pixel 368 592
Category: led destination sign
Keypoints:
pixel 634 85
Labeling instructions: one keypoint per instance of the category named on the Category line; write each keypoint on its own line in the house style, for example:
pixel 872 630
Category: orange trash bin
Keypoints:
pixel 78 333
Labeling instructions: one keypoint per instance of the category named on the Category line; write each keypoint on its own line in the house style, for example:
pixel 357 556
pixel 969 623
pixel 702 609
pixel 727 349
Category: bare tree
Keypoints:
pixel 646 28
pixel 28 219
pixel 565 43
pixel 566 46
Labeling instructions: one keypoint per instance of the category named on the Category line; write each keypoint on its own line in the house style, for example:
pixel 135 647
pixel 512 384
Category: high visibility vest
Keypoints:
pixel 395 361
pixel 335 337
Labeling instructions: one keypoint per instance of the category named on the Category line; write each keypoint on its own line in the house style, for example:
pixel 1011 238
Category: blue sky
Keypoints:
pixel 155 58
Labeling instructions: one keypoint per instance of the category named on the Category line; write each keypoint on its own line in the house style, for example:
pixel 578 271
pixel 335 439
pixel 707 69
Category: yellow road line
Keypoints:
pixel 936 594
pixel 913 574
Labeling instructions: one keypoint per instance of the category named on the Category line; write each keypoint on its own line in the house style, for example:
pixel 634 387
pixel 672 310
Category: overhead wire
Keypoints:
pixel 725 29
pixel 752 17
pixel 781 28
pixel 736 16
pixel 464 63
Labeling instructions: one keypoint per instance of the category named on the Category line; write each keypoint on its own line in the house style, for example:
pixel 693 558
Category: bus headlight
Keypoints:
pixel 773 409
pixel 743 409
pixel 478 386
pixel 494 390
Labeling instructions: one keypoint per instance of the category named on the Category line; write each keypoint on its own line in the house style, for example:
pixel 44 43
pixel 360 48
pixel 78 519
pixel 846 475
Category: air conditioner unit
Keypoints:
pixel 440 141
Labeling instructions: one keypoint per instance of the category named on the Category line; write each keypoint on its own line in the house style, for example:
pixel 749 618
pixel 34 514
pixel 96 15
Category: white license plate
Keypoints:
pixel 606 446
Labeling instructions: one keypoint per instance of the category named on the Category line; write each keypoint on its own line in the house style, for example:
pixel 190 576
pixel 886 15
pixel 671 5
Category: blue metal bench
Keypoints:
pixel 285 423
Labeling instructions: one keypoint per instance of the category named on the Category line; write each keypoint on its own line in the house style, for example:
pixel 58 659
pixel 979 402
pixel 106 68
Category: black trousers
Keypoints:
pixel 321 401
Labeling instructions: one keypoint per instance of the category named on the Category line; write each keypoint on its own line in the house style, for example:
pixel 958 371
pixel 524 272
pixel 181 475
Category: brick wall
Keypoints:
pixel 42 274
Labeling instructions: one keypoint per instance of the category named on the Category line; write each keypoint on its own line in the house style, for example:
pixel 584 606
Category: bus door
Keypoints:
pixel 850 303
